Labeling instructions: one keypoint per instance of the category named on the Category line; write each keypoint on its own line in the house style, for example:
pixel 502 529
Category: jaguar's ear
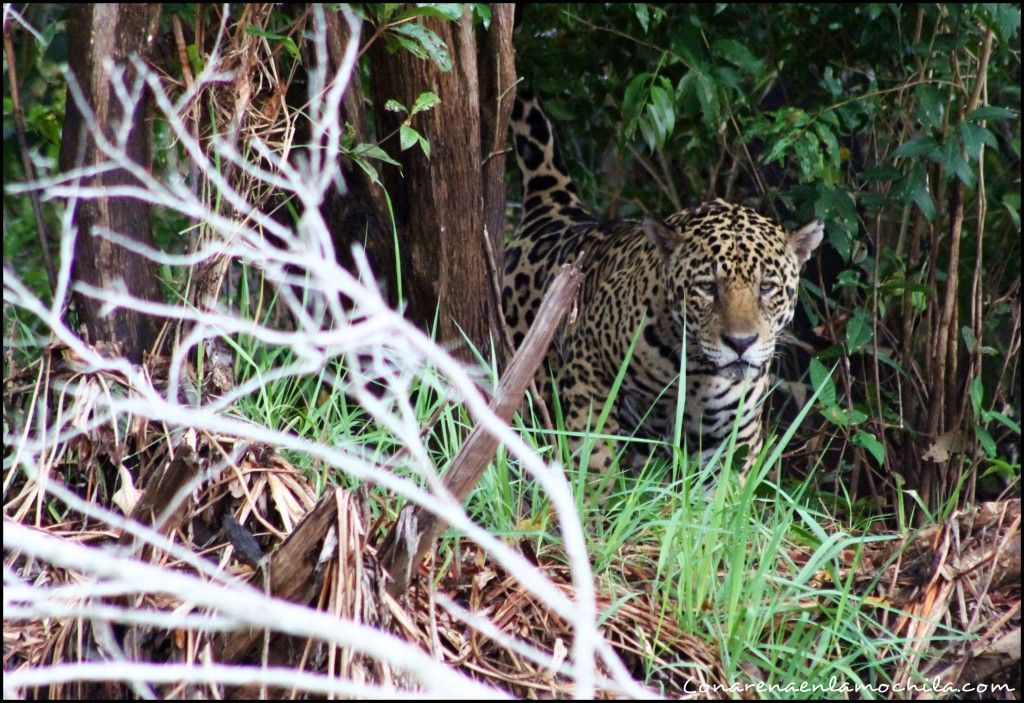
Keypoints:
pixel 663 236
pixel 806 239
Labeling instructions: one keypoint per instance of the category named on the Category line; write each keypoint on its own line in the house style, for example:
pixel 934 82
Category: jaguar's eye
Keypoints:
pixel 708 289
pixel 768 287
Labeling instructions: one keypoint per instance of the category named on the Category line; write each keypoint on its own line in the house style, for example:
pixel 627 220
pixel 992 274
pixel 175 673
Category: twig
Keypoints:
pixel 506 336
pixel 946 333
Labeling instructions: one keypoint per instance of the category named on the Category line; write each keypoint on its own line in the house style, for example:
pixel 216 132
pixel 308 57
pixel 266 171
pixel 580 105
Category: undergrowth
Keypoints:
pixel 768 572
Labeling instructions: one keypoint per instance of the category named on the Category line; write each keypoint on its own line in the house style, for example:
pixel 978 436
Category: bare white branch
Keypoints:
pixel 245 605
pixel 215 673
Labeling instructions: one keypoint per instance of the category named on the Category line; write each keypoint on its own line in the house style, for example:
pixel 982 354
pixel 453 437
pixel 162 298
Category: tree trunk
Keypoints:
pixel 443 204
pixel 97 33
pixel 497 95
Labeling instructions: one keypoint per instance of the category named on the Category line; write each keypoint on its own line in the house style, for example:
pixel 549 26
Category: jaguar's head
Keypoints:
pixel 734 277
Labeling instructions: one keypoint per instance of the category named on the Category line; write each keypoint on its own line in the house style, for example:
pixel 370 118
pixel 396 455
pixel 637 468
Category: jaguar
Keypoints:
pixel 703 293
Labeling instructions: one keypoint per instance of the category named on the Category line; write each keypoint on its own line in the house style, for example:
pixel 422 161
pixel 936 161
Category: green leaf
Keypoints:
pixel 195 59
pixel 992 112
pixel 441 10
pixel 729 77
pixel 394 106
pixel 848 278
pixel 292 48
pixel 384 11
pixel 633 100
pixel 407 136
pixel 977 394
pixel 643 15
pixel 255 31
pixel 930 106
pixel 1003 18
pixel 830 83
pixel 876 8
pixel 736 53
pixel 1004 420
pixel 969 339
pixel 647 130
pixel 482 14
pixel 822 378
pixel 974 136
pixel 828 138
pixel 952 161
pixel 368 168
pixel 881 173
pixel 836 207
pixel 1011 203
pixel 835 415
pixel 917 189
pixel 986 441
pixel 884 357
pixel 708 98
pixel 844 418
pixel 662 112
pixel 903 287
pixel 963 170
pixel 871 443
pixel 858 331
pixel 287 42
pixel 916 146
pixel 425 101
pixel 808 157
pixel 430 45
pixel 1003 470
pixel 372 151
pixel 778 150
pixel 688 42
pixel 873 201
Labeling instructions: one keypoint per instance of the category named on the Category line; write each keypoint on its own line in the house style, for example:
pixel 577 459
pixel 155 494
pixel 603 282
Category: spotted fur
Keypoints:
pixel 721 272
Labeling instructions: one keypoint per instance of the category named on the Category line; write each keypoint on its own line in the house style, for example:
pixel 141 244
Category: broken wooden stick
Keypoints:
pixel 162 487
pixel 295 569
pixel 416 528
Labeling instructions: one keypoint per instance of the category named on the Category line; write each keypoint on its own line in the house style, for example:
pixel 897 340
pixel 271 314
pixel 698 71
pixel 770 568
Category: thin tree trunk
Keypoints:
pixel 98 33
pixel 497 94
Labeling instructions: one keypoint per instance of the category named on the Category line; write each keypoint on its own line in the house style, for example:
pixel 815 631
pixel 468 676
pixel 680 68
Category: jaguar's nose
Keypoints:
pixel 737 343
